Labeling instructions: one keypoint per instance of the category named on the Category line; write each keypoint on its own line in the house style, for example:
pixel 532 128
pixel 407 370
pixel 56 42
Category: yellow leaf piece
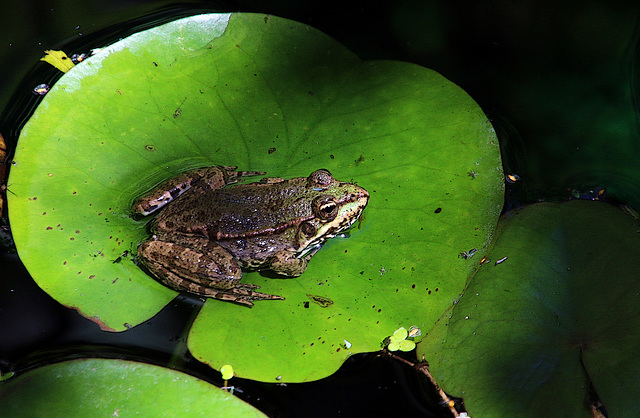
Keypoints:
pixel 227 372
pixel 58 59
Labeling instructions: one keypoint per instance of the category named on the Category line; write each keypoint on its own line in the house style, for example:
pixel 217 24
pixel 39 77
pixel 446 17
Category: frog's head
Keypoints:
pixel 335 207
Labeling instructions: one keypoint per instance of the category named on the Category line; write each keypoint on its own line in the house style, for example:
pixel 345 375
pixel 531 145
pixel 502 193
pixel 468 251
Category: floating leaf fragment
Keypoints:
pixel 58 59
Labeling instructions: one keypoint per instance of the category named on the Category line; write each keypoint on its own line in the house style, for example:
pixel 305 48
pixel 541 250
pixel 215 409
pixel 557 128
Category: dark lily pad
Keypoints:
pixel 562 311
pixel 266 94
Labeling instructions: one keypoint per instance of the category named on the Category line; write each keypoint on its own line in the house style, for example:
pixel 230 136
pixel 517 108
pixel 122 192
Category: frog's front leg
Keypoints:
pixel 288 264
pixel 205 178
pixel 213 274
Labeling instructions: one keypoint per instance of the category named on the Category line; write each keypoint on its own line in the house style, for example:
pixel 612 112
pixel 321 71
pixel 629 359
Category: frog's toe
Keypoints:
pixel 247 290
pixel 236 176
pixel 243 294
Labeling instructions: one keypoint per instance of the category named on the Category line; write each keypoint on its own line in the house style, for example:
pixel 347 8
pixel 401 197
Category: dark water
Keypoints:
pixel 559 82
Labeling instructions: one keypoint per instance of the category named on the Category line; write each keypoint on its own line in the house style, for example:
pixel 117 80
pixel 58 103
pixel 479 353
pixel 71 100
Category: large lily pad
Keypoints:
pixel 531 333
pixel 98 387
pixel 264 94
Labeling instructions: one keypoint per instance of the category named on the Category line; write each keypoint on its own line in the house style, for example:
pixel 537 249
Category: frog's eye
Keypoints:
pixel 320 178
pixel 325 207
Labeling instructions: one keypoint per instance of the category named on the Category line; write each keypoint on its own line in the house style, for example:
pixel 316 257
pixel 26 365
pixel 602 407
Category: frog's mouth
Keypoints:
pixel 349 213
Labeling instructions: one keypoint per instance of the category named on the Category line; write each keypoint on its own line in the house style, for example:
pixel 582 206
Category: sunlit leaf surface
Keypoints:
pixel 266 94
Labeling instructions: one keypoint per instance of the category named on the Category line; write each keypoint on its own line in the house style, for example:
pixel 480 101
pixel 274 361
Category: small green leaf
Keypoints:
pixel 394 345
pixel 406 345
pixel 399 335
pixel 6 376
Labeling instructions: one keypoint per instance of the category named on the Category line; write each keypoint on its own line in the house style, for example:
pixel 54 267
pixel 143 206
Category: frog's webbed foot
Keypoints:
pixel 243 294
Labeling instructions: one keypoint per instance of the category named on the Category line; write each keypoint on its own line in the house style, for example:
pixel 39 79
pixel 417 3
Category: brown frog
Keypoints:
pixel 209 233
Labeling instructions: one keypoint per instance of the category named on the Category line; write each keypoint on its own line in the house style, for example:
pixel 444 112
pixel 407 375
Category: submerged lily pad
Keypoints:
pixel 562 311
pixel 266 94
pixel 99 387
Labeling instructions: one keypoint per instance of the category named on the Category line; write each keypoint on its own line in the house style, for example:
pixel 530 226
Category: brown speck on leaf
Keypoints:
pixel 49 228
pixel 71 239
pixel 92 276
pixel 77 231
pixel 271 150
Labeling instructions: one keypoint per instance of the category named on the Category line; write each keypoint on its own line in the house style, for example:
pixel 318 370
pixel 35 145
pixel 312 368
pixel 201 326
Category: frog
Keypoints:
pixel 208 229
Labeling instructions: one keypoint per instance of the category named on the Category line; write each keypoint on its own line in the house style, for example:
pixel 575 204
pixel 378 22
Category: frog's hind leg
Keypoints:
pixel 243 294
pixel 211 274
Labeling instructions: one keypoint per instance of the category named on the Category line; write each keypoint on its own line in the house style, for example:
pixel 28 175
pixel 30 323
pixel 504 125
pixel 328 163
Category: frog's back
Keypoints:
pixel 244 210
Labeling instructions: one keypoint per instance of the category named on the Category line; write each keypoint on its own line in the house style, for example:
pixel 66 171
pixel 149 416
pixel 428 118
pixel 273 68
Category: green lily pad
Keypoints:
pixel 99 387
pixel 530 334
pixel 266 94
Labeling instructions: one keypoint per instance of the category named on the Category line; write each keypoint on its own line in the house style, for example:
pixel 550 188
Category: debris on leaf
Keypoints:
pixel 78 58
pixel 414 331
pixel 512 178
pixel 41 89
pixel 58 59
pixel 468 254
